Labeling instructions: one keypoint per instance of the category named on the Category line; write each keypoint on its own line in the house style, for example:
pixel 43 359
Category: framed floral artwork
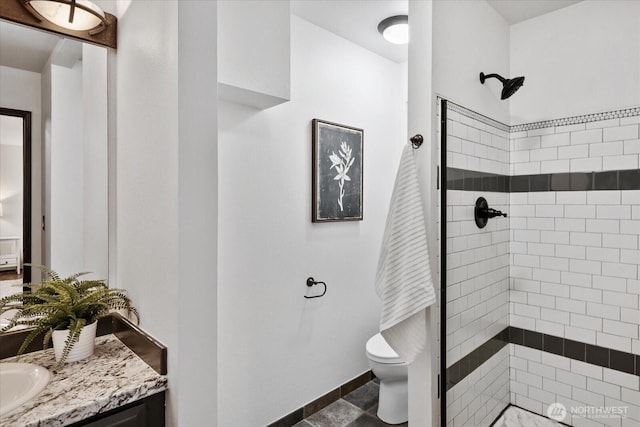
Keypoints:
pixel 337 173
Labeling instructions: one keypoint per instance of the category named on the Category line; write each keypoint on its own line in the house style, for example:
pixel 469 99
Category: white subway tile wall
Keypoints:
pixel 575 265
pixel 480 397
pixel 574 259
pixel 611 144
pixel 477 146
pixel 477 274
pixel 538 379
pixel 567 262
pixel 574 256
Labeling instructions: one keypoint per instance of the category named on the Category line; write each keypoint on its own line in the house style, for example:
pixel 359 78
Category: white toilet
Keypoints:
pixel 393 403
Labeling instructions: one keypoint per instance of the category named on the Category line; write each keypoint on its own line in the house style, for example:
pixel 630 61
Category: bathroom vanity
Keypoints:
pixel 112 387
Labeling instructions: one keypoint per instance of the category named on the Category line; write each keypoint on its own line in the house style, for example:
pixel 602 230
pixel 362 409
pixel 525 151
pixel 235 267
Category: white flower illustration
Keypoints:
pixel 342 164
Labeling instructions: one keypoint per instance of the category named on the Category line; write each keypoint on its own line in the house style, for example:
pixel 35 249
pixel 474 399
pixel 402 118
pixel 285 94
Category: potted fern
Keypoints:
pixel 65 310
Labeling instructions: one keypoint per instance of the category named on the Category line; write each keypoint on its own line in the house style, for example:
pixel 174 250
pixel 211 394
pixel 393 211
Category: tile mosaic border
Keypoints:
pixel 468 180
pixel 574 120
pixel 564 121
pixel 477 116
pixel 323 401
pixel 596 355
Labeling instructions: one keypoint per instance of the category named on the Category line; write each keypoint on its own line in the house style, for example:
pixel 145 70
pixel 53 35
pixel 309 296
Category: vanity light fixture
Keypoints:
pixel 76 15
pixel 395 29
pixel 81 20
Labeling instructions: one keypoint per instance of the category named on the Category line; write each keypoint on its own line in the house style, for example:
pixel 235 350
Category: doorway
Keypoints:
pixel 15 199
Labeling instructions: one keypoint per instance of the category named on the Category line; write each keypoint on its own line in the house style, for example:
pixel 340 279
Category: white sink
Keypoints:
pixel 19 383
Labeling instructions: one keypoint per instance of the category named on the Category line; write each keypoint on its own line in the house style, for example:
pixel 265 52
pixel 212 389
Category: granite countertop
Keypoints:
pixel 112 377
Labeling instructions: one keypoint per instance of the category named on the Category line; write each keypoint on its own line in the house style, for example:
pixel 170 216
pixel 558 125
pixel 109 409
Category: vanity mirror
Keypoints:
pixel 58 86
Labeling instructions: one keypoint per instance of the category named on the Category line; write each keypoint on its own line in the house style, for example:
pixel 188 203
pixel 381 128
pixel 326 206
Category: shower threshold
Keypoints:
pixel 514 416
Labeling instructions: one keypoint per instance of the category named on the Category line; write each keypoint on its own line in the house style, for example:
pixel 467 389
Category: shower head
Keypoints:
pixel 509 86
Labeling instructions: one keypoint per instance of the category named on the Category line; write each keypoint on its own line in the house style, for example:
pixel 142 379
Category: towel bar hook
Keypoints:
pixel 311 282
pixel 416 141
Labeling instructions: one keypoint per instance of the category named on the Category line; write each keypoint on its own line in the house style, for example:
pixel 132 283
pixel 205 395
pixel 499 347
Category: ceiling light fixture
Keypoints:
pixel 395 29
pixel 75 15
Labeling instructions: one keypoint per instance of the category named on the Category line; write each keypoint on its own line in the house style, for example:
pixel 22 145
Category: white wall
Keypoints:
pixel 94 162
pixel 46 92
pixel 74 99
pixel 277 350
pixel 166 190
pixel 254 52
pixel 424 406
pixel 198 174
pixel 65 176
pixel 21 90
pixel 470 37
pixel 581 59
pixel 147 173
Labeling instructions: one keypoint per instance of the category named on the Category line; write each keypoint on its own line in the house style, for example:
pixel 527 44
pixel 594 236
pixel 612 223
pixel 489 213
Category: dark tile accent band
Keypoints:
pixel 463 367
pixel 468 180
pixel 143 345
pixel 593 354
pixel 323 401
pixel 463 179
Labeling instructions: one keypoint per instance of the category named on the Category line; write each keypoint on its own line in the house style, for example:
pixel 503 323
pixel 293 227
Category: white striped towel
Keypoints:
pixel 403 278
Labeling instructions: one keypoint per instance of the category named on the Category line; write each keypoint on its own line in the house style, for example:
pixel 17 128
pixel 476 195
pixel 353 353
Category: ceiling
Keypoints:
pixel 358 20
pixel 515 11
pixel 354 20
pixel 25 48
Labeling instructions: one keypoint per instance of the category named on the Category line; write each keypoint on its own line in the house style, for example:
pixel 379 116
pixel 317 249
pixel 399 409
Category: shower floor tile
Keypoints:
pixel 517 417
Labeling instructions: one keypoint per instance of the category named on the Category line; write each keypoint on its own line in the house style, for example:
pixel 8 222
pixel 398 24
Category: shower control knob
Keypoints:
pixel 483 212
pixel 491 213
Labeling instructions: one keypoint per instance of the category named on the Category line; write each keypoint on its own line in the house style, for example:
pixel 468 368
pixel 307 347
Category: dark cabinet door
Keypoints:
pixel 148 412
pixel 132 417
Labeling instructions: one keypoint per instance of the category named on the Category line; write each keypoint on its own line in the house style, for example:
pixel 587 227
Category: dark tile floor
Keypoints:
pixel 356 409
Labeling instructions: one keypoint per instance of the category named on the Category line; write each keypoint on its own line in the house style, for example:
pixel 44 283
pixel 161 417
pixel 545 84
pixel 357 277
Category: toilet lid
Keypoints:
pixel 379 351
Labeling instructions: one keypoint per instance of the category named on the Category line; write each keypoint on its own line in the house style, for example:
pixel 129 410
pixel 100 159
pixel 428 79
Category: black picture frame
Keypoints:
pixel 337 172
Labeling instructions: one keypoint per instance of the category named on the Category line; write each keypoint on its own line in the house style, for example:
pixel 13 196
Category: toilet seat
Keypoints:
pixel 380 351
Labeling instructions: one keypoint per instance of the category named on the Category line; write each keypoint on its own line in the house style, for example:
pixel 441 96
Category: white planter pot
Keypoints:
pixel 82 349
